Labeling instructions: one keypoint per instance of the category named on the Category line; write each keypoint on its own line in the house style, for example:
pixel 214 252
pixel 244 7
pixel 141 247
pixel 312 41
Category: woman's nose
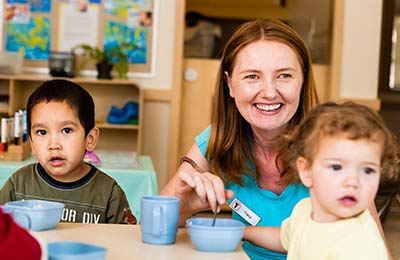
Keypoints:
pixel 269 89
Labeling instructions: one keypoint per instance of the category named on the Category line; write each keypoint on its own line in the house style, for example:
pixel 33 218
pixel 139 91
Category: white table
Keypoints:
pixel 124 242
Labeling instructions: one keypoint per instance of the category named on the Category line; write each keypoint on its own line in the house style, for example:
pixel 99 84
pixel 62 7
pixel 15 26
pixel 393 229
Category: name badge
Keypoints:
pixel 243 211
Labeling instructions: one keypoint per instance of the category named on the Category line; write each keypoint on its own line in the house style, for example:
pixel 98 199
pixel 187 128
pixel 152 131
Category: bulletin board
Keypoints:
pixel 37 27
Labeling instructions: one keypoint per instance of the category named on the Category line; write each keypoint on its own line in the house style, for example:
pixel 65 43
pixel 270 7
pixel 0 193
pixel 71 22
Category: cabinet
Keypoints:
pixel 15 90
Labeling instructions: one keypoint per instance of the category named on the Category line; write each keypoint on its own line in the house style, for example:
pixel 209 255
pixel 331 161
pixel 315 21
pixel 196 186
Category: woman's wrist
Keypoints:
pixel 190 161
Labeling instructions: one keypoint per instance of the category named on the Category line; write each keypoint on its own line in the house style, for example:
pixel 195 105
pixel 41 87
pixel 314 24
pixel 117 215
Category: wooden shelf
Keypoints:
pixel 3 109
pixel 117 126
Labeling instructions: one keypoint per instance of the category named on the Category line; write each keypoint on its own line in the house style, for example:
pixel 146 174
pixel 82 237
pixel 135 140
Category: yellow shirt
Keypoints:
pixel 354 238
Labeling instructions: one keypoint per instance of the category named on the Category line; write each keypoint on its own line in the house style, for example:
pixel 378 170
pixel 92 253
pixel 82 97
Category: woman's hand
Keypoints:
pixel 197 191
pixel 202 190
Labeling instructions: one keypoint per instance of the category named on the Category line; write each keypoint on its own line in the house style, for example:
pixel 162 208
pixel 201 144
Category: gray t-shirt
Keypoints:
pixel 95 198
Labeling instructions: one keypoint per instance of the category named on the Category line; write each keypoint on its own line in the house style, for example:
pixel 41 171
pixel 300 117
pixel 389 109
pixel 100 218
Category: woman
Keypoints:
pixel 265 86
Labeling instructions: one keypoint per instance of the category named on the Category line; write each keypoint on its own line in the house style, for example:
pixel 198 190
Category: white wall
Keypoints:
pixel 360 50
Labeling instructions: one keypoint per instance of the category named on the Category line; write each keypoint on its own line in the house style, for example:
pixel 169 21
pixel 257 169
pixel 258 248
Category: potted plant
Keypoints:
pixel 115 56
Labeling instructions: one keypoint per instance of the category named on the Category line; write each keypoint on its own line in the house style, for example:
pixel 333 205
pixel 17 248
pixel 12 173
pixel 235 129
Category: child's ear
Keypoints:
pixel 91 139
pixel 32 147
pixel 304 169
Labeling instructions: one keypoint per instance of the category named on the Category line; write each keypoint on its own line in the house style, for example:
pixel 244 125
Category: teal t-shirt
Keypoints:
pixel 271 208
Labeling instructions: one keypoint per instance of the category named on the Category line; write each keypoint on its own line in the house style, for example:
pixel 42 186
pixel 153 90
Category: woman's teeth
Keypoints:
pixel 268 107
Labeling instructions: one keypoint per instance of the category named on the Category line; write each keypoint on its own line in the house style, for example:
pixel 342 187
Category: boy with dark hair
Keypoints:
pixel 61 128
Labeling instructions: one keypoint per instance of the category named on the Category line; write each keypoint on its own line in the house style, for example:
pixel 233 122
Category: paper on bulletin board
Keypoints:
pixel 37 45
pixel 77 26
pixel 133 21
pixel 116 33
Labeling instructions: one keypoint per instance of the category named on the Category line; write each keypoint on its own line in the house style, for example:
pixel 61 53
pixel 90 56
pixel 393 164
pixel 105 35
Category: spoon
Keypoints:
pixel 215 215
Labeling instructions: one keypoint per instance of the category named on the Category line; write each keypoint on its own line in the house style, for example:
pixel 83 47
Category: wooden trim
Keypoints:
pixel 158 95
pixel 336 52
pixel 372 103
pixel 173 160
pixel 388 13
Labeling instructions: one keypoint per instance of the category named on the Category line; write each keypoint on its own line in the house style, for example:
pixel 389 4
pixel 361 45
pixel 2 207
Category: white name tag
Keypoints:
pixel 243 211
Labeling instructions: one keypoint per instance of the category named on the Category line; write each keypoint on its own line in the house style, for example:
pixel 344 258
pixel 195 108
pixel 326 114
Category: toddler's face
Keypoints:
pixel 343 178
pixel 58 140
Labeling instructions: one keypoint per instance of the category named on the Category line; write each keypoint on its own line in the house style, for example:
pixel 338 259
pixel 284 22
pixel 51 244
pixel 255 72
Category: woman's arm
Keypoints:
pixel 197 191
pixel 267 237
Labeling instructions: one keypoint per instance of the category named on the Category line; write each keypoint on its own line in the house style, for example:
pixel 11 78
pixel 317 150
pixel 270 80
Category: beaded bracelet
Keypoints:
pixel 192 163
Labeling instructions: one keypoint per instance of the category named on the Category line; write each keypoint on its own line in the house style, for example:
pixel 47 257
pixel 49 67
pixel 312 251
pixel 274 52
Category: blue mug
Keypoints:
pixel 159 219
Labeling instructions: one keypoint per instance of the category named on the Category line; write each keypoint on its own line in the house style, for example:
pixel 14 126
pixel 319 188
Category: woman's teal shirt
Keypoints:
pixel 272 208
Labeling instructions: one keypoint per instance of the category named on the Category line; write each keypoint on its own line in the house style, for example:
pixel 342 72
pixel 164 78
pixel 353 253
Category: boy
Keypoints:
pixel 61 128
pixel 340 152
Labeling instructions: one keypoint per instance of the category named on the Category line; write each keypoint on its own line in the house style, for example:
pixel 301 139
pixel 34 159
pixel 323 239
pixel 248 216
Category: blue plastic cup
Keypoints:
pixel 159 219
pixel 66 250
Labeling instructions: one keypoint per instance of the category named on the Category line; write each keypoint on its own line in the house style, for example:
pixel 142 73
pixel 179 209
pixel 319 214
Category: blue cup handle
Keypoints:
pixel 20 218
pixel 23 220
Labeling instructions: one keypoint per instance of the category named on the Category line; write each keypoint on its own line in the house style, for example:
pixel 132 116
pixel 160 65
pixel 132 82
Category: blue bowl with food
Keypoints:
pixel 36 215
pixel 224 236
pixel 66 250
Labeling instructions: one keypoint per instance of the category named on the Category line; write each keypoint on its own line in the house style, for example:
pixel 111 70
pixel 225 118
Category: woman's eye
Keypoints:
pixel 284 76
pixel 336 167
pixel 41 132
pixel 369 170
pixel 251 76
pixel 67 130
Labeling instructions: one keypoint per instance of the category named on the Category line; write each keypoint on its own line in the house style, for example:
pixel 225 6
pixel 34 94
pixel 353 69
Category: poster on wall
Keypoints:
pixel 17 13
pixel 133 21
pixel 41 26
pixel 40 6
pixel 117 33
pixel 32 38
pixel 77 24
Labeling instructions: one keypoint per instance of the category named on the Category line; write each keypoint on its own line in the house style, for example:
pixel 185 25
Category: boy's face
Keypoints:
pixel 58 140
pixel 343 178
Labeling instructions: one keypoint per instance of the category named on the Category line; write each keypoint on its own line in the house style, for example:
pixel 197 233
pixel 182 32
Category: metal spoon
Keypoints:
pixel 215 215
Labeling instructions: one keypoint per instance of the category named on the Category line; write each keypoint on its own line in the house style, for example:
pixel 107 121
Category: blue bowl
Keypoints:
pixel 225 236
pixel 35 215
pixel 75 251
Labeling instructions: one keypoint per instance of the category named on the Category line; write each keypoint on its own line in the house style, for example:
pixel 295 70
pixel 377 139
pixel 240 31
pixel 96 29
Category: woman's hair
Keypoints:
pixel 229 149
pixel 348 120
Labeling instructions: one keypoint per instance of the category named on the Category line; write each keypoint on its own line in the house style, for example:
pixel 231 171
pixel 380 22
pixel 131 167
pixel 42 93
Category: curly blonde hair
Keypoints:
pixel 351 120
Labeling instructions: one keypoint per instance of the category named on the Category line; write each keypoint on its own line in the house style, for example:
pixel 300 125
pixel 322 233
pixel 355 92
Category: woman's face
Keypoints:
pixel 265 82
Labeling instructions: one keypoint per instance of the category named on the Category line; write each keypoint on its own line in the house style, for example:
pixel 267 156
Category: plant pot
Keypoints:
pixel 104 70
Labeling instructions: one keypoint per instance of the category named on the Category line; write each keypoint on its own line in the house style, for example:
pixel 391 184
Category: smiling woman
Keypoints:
pixel 264 88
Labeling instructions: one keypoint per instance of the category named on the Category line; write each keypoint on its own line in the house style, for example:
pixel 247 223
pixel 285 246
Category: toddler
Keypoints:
pixel 340 153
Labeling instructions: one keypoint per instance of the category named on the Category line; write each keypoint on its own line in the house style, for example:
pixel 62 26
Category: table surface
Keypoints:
pixel 124 242
pixel 135 174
